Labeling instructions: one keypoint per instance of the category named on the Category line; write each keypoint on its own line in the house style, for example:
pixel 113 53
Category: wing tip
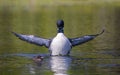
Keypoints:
pixel 103 30
pixel 16 34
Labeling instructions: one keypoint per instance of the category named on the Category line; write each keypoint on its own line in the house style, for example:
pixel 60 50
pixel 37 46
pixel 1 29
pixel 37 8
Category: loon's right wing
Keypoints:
pixel 33 39
pixel 83 39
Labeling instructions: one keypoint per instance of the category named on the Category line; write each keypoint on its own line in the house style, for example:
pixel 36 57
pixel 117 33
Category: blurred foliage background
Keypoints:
pixel 38 17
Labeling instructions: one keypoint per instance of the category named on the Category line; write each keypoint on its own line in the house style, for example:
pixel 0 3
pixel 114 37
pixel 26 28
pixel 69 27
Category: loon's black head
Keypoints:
pixel 60 26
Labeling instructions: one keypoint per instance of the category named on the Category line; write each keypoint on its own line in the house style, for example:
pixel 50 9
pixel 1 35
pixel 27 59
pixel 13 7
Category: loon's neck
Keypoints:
pixel 60 30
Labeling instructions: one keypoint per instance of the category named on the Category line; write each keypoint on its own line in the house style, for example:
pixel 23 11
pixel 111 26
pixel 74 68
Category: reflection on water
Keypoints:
pixel 60 64
pixel 22 64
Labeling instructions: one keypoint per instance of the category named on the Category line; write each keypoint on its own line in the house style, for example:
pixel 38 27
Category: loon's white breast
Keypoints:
pixel 60 45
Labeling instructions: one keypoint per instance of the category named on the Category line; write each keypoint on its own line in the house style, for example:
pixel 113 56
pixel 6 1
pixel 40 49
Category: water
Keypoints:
pixel 100 56
pixel 17 64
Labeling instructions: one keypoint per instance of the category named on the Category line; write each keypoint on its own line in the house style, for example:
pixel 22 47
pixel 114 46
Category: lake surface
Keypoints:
pixel 100 56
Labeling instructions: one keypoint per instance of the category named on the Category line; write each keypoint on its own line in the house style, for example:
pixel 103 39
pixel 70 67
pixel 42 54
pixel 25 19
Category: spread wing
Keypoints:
pixel 33 39
pixel 83 39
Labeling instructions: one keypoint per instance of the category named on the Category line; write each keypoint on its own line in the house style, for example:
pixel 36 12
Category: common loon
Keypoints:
pixel 59 45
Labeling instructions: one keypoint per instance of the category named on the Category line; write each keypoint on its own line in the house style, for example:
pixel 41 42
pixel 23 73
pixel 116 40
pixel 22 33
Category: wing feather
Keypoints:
pixel 83 39
pixel 33 39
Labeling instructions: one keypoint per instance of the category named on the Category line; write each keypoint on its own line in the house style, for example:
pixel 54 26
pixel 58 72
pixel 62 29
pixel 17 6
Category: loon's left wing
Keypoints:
pixel 33 39
pixel 83 39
